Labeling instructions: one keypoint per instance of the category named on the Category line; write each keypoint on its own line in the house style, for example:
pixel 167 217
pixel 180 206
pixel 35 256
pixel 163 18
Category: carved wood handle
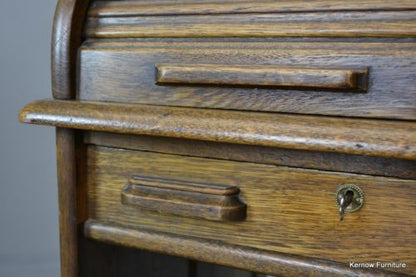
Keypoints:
pixel 213 202
pixel 262 75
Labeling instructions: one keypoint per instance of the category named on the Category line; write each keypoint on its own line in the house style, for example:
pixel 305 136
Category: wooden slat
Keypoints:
pixel 135 8
pixel 351 136
pixel 336 24
pixel 323 46
pixel 222 253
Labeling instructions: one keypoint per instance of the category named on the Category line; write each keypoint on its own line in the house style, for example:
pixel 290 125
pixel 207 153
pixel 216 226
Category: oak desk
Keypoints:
pixel 276 137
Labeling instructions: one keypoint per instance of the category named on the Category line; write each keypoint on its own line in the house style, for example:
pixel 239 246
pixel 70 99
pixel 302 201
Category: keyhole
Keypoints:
pixel 349 199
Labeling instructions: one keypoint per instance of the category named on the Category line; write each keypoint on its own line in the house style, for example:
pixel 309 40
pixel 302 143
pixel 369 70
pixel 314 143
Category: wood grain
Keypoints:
pixel 124 72
pixel 179 197
pixel 67 195
pixel 349 136
pixel 294 210
pixel 308 24
pixel 261 75
pixel 290 210
pixel 136 8
pixel 223 253
pixel 66 38
pixel 405 169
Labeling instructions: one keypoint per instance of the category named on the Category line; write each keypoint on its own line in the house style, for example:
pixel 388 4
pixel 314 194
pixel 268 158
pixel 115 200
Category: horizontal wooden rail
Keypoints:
pixel 262 75
pixel 212 251
pixel 316 24
pixel 134 8
pixel 393 139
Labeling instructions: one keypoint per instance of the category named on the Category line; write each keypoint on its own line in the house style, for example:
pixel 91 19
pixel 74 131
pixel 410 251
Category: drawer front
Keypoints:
pixel 344 79
pixel 274 208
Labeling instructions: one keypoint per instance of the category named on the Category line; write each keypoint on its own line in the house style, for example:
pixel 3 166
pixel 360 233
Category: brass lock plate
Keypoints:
pixel 357 198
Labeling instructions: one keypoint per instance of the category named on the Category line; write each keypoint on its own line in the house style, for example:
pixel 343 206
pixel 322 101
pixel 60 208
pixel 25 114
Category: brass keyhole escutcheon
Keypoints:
pixel 349 199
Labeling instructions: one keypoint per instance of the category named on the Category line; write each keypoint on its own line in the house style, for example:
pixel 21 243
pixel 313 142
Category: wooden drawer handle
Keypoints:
pixel 262 76
pixel 213 202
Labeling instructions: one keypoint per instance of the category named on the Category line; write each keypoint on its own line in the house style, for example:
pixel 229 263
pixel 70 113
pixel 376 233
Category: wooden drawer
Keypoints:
pixel 360 79
pixel 288 210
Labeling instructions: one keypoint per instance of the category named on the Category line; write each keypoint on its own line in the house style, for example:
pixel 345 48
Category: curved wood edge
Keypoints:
pixel 383 138
pixel 221 253
pixel 66 38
